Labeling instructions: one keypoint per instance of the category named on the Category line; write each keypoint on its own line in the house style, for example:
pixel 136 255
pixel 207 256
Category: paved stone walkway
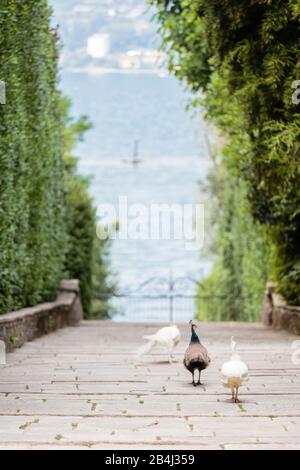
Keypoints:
pixel 83 388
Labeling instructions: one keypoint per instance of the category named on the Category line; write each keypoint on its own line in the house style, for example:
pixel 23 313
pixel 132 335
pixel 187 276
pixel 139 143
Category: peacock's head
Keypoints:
pixel 194 337
pixel 233 344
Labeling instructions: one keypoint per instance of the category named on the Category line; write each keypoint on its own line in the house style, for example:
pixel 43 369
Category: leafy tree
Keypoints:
pixel 234 289
pixel 87 257
pixel 245 56
pixel 103 283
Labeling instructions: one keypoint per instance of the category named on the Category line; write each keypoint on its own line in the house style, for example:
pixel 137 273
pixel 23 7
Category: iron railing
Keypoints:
pixel 162 299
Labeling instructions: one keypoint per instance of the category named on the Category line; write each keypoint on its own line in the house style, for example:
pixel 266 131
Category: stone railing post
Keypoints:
pixel 75 314
pixel 277 313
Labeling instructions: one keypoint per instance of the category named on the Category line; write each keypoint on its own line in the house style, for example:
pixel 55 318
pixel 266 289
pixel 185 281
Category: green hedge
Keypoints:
pixel 47 218
pixel 32 233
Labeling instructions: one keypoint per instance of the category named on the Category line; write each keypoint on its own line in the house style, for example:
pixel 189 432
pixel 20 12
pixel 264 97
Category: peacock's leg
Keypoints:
pixel 194 383
pixel 232 394
pixel 236 395
pixel 199 380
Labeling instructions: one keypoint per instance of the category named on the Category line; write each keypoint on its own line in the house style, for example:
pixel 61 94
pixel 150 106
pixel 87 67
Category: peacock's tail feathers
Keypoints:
pixel 145 349
pixel 149 337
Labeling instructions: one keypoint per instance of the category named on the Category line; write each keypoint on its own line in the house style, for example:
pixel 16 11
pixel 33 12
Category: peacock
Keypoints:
pixel 167 338
pixel 196 356
pixel 234 372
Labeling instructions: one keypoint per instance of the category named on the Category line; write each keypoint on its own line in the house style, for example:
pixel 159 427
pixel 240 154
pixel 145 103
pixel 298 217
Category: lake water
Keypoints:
pixel 150 109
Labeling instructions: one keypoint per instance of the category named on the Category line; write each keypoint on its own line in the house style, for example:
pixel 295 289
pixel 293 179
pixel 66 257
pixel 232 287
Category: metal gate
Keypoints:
pixel 159 299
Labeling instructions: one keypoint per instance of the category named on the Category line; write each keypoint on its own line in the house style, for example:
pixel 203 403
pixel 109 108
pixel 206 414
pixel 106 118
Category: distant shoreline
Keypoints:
pixel 107 70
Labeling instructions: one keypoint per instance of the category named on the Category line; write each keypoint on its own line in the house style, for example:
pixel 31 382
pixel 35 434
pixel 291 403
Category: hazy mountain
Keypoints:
pixel 107 33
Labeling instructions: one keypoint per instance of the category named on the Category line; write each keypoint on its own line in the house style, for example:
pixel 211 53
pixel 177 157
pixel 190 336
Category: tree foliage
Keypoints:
pixel 234 289
pixel 244 55
pixel 87 257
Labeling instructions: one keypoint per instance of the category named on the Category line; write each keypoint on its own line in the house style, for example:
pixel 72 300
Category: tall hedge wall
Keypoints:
pixel 32 233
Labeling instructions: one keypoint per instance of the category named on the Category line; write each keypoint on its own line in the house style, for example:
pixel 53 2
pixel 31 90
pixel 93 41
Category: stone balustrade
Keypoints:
pixel 16 328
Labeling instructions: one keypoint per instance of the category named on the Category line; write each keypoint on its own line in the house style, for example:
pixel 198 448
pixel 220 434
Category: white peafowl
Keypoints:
pixel 166 338
pixel 234 372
